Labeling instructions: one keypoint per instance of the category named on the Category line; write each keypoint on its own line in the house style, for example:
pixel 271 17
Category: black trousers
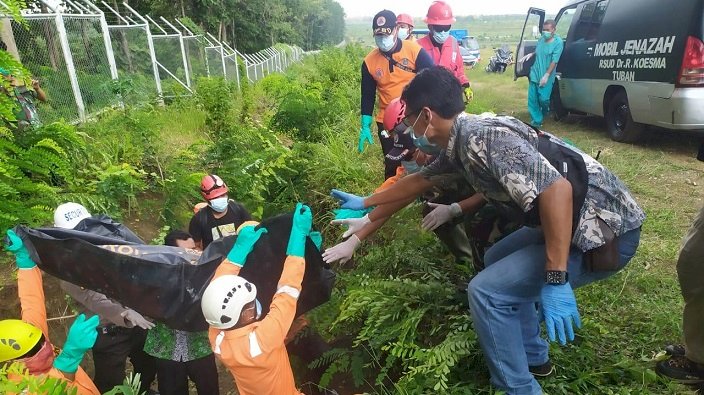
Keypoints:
pixel 110 352
pixel 387 144
pixel 173 376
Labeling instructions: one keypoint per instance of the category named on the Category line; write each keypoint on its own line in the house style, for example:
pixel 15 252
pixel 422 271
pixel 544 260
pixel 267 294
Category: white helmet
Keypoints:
pixel 68 215
pixel 224 298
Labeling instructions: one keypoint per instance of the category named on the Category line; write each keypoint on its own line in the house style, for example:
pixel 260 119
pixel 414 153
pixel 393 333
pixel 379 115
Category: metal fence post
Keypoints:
pixel 70 68
pixel 152 54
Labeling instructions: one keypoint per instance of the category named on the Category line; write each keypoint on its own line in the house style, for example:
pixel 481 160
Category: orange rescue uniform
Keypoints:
pixel 389 85
pixel 31 292
pixel 256 354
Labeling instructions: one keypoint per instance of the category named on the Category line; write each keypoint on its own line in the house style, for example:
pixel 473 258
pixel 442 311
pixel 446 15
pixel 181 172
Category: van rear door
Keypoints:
pixel 526 47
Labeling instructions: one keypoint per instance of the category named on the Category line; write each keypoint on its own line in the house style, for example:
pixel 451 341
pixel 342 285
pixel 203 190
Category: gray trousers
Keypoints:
pixel 690 271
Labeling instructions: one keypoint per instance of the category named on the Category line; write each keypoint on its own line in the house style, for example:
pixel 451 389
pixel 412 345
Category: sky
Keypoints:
pixel 418 8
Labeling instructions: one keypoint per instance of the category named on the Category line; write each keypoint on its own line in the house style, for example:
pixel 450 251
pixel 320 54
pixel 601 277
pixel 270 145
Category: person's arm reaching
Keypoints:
pixel 409 187
pixel 555 210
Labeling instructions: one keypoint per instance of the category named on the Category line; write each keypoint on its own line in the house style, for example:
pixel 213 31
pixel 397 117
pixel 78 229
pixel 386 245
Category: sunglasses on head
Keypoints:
pixel 441 28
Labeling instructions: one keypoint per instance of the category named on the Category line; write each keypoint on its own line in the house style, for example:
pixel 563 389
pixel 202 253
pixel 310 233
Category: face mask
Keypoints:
pixel 385 43
pixel 410 166
pixel 441 37
pixel 40 362
pixel 547 35
pixel 422 142
pixel 219 204
pixel 402 33
pixel 259 308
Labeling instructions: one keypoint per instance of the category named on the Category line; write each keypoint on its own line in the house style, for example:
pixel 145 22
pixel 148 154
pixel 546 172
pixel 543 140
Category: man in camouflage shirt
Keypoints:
pixel 181 355
pixel 499 157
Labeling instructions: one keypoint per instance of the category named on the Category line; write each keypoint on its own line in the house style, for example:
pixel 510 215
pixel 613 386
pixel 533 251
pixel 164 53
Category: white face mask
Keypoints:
pixel 402 33
pixel 219 204
pixel 441 37
pixel 385 43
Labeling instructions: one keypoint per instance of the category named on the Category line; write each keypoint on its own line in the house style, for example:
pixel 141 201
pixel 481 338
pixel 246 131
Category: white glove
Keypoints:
pixel 136 319
pixel 544 80
pixel 354 224
pixel 343 251
pixel 441 214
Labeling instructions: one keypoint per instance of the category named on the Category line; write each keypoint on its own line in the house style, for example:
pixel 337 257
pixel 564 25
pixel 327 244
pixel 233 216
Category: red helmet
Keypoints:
pixel 394 113
pixel 439 13
pixel 404 18
pixel 212 186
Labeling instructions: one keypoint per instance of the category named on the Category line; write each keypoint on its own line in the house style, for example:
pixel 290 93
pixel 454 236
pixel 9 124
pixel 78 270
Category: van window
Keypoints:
pixel 564 21
pixel 590 20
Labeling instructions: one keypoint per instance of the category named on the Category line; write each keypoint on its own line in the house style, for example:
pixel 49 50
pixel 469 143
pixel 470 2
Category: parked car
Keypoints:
pixel 468 58
pixel 634 62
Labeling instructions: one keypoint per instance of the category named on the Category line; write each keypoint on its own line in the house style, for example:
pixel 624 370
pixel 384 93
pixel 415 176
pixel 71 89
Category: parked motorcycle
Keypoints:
pixel 501 59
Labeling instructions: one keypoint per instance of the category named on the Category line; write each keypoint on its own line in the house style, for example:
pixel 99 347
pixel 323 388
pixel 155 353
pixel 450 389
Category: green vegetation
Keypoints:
pixel 398 314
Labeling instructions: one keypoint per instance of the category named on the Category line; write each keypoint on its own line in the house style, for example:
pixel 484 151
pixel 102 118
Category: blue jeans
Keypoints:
pixel 502 300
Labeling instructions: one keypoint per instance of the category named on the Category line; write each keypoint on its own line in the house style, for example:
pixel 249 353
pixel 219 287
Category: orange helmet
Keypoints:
pixel 394 113
pixel 405 18
pixel 439 13
pixel 212 186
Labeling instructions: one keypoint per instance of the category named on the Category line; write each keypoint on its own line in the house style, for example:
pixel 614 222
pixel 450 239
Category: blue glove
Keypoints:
pixel 300 229
pixel 559 309
pixel 348 200
pixel 246 239
pixel 365 132
pixel 17 247
pixel 345 213
pixel 81 338
pixel 317 238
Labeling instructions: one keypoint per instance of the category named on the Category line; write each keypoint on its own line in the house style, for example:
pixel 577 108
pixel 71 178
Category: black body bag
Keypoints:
pixel 166 283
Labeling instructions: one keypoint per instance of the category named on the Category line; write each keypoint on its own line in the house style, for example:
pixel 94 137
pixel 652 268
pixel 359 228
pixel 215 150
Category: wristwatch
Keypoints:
pixel 555 277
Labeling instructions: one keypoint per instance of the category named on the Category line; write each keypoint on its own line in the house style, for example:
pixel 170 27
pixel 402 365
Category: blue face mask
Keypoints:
pixel 402 33
pixel 441 37
pixel 259 308
pixel 422 142
pixel 547 35
pixel 219 204
pixel 385 43
pixel 410 166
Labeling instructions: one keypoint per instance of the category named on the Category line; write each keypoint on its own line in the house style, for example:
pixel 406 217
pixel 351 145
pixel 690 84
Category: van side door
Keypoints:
pixel 525 51
pixel 578 66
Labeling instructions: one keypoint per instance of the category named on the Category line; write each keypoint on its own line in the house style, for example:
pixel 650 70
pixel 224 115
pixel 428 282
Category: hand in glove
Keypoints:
pixel 348 200
pixel 441 214
pixel 343 251
pixel 136 319
pixel 81 338
pixel 468 95
pixel 365 132
pixel 16 246
pixel 559 309
pixel 317 238
pixel 354 224
pixel 246 239
pixel 300 229
pixel 544 80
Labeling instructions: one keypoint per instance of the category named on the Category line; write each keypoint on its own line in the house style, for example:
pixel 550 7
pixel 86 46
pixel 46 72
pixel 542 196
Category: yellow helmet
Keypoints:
pixel 17 338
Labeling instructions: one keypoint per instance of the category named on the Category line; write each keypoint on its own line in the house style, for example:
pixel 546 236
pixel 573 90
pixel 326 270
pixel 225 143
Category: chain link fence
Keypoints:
pixel 88 57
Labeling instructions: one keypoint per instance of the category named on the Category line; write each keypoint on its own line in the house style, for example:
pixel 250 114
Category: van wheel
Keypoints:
pixel 619 121
pixel 556 109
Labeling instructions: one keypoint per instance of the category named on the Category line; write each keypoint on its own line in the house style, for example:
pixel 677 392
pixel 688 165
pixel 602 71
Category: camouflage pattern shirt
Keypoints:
pixel 175 345
pixel 498 156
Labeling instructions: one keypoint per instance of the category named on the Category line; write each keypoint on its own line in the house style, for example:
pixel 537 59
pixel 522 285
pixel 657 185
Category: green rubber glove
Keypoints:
pixel 317 238
pixel 345 213
pixel 365 133
pixel 244 244
pixel 300 229
pixel 81 338
pixel 17 247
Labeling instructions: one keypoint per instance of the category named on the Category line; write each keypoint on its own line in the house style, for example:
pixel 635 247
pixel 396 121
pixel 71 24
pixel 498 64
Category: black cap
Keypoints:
pixel 403 147
pixel 384 22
